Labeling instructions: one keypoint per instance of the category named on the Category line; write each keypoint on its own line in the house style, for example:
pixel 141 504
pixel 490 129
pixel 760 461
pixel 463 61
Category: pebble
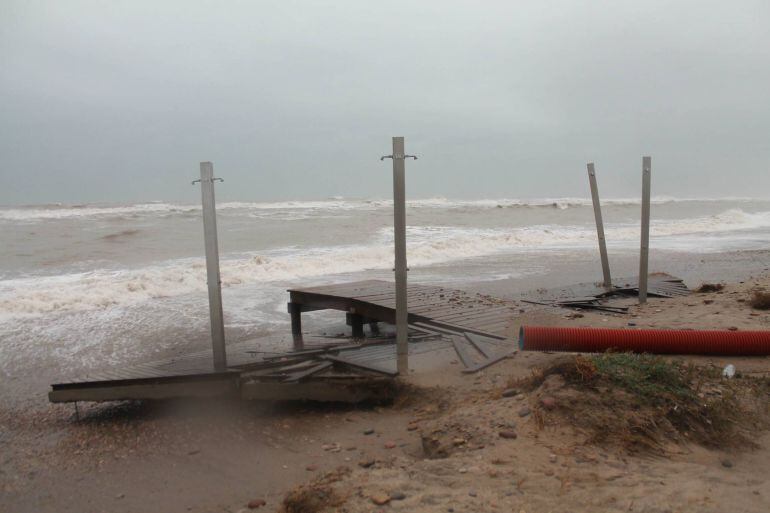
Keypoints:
pixel 510 435
pixel 311 468
pixel 120 495
pixel 366 463
pixel 463 470
pixel 369 431
pixel 256 503
pixel 510 392
pixel 552 458
pixel 549 403
pixel 390 445
pixel 524 411
pixel 733 328
pixel 380 499
pixel 397 496
pixel 412 427
pixel 727 463
pixel 458 441
pixel 472 493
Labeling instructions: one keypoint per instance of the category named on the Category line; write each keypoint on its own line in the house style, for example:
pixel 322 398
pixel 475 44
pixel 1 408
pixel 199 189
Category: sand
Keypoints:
pixel 178 457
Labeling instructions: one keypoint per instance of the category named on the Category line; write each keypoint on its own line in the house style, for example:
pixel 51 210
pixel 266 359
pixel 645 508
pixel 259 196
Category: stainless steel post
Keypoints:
pixel 399 234
pixel 212 266
pixel 599 226
pixel 645 247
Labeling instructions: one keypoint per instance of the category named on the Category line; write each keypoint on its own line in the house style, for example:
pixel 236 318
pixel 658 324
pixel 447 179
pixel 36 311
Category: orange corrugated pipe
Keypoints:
pixel 596 340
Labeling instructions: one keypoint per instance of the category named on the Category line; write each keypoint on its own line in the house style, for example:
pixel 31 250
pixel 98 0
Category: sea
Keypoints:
pixel 87 286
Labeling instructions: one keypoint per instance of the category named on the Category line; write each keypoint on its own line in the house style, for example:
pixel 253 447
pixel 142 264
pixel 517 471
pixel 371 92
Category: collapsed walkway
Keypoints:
pixel 440 318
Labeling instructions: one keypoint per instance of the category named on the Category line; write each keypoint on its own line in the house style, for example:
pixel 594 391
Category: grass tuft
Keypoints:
pixel 645 402
pixel 648 377
pixel 760 300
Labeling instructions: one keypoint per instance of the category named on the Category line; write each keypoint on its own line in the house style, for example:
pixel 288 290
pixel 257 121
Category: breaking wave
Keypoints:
pixel 427 245
pixel 301 209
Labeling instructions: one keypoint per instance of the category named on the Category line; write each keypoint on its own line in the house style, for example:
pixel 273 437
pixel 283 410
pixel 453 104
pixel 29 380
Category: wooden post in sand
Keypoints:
pixel 399 234
pixel 599 226
pixel 212 266
pixel 645 247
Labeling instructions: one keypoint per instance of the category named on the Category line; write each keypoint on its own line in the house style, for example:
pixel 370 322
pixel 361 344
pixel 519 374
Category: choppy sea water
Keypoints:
pixel 84 286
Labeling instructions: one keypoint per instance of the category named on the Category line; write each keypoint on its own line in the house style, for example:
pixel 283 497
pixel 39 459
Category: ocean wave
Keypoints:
pixel 292 210
pixel 427 245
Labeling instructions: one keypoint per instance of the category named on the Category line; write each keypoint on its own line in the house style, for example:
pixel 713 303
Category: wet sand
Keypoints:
pixel 195 456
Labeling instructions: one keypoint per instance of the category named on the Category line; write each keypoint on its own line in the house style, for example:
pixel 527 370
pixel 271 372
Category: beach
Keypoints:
pixel 135 292
pixel 84 287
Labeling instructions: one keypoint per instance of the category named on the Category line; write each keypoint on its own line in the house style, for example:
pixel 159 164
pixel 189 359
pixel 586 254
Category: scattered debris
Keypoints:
pixel 760 300
pixel 710 287
pixel 380 499
pixel 316 496
pixel 256 503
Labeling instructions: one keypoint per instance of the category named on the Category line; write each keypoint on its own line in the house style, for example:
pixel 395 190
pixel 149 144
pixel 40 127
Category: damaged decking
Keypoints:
pixel 473 325
pixel 593 296
pixel 375 300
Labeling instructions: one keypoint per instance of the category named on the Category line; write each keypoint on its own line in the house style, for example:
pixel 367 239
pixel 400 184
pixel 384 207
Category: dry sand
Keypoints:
pixel 177 457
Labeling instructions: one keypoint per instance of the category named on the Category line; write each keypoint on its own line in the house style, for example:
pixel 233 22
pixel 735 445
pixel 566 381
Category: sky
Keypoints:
pixel 120 101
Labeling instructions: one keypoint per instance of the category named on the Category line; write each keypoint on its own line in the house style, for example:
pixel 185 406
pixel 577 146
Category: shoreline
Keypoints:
pixel 28 386
pixel 193 456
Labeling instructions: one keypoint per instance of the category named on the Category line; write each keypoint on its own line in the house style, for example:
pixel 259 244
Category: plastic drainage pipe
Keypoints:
pixel 595 340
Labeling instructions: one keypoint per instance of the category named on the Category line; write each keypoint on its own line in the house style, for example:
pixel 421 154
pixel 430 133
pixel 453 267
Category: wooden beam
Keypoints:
pixel 207 388
pixel 295 310
pixel 359 365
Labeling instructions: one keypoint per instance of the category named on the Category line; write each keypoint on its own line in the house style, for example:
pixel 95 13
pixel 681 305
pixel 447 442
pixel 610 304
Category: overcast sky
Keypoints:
pixel 119 101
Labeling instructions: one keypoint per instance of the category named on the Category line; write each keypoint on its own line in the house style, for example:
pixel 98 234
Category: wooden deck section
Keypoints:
pixel 375 301
pixel 318 368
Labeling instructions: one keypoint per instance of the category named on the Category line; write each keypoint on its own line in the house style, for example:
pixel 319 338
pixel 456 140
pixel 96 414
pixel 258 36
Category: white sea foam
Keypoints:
pixel 302 209
pixel 427 245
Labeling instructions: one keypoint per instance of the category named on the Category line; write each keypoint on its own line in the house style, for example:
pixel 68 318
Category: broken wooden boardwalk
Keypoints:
pixel 595 297
pixel 320 369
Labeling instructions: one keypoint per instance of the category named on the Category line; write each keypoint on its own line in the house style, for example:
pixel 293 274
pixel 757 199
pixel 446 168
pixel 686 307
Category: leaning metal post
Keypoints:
pixel 644 254
pixel 599 226
pixel 399 234
pixel 212 265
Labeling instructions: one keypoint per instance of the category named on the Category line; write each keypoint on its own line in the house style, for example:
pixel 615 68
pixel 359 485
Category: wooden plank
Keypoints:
pixel 490 361
pixel 146 390
pixel 360 365
pixel 459 346
pixel 344 287
pixel 504 310
pixel 477 316
pixel 476 341
pixel 298 376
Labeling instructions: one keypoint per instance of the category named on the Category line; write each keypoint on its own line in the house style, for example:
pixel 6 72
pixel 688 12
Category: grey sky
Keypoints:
pixel 119 101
